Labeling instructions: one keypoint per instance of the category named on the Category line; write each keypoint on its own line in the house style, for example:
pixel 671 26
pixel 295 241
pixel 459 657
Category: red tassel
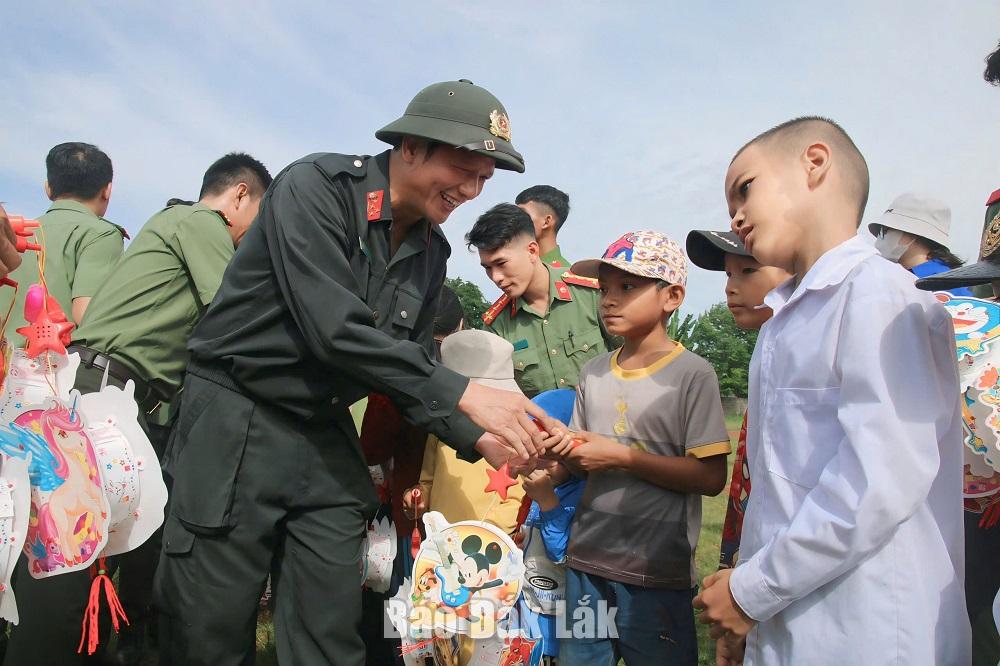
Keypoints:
pixel 91 634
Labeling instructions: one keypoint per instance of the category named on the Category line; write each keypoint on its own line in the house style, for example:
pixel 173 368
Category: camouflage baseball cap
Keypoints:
pixel 646 253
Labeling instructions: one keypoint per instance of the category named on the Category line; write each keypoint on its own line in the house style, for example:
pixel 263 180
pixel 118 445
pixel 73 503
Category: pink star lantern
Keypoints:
pixel 46 333
pixel 500 481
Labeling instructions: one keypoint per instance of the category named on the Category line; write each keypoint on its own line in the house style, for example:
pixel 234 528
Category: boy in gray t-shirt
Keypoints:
pixel 652 440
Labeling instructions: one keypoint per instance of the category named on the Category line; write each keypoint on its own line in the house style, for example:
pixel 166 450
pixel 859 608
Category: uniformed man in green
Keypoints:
pixel 549 314
pixel 81 246
pixel 137 328
pixel 548 208
pixel 331 296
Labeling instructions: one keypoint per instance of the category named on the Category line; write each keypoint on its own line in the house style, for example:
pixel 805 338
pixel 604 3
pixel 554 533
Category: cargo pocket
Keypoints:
pixel 177 541
pixel 208 457
pixel 584 346
pixel 405 310
pixel 525 361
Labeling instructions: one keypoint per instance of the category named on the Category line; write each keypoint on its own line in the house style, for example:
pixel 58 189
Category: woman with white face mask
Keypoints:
pixel 913 232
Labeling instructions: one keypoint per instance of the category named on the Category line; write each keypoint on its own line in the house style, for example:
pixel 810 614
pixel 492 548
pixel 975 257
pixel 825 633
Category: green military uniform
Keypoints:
pixel 80 251
pixel 142 317
pixel 555 258
pixel 550 347
pixel 138 324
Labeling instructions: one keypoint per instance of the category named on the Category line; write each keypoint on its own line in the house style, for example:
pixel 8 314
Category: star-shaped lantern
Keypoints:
pixel 47 331
pixel 500 481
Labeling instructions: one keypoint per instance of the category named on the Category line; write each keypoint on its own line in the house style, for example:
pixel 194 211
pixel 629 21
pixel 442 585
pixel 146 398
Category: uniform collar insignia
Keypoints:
pixel 375 205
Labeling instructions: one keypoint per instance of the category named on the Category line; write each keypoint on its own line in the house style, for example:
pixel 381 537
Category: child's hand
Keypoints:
pixel 414 503
pixel 593 453
pixel 720 610
pixel 538 486
pixel 556 448
pixel 729 651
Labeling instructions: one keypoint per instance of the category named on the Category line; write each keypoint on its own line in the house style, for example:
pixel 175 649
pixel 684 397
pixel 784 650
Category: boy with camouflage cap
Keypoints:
pixel 652 439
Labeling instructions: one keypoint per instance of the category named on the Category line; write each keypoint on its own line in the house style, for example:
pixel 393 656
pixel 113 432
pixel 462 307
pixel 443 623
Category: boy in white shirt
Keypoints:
pixel 852 542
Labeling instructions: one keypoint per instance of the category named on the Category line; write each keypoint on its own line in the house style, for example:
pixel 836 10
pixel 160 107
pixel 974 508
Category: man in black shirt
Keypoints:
pixel 330 296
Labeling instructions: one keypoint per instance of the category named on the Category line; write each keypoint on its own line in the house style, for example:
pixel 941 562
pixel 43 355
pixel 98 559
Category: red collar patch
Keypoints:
pixel 995 197
pixel 375 205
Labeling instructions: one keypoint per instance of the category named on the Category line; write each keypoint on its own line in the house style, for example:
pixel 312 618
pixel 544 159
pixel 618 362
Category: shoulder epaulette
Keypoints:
pixel 580 281
pixel 496 309
pixel 120 229
pixel 995 197
pixel 335 163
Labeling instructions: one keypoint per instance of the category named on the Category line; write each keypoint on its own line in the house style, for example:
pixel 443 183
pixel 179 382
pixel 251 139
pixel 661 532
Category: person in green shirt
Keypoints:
pixel 81 246
pixel 549 314
pixel 137 327
pixel 548 208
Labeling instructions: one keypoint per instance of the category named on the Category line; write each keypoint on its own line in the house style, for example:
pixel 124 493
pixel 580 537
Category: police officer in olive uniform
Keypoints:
pixel 982 539
pixel 548 208
pixel 331 296
pixel 81 247
pixel 136 328
pixel 549 314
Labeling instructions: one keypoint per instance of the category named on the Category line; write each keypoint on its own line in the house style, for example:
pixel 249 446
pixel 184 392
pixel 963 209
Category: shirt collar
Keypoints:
pixel 830 269
pixel 558 289
pixel 73 205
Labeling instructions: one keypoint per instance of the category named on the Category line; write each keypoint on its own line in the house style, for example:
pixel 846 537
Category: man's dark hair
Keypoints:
pixel 555 199
pixel 499 226
pixel 77 170
pixel 794 135
pixel 449 312
pixel 233 169
pixel 992 72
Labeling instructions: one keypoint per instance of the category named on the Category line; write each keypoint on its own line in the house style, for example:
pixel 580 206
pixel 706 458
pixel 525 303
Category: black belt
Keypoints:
pixel 147 397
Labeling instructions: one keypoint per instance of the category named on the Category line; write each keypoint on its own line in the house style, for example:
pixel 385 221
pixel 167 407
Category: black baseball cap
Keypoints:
pixel 708 249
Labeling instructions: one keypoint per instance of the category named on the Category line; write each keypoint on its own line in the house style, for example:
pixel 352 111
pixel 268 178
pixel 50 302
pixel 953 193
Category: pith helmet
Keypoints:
pixel 461 114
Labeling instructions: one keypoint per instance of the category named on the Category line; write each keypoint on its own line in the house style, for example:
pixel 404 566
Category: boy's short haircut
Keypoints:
pixel 77 169
pixel 555 199
pixel 794 135
pixel 499 226
pixel 232 169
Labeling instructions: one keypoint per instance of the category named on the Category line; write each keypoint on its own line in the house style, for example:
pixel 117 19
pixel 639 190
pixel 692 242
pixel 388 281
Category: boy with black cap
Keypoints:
pixel 747 282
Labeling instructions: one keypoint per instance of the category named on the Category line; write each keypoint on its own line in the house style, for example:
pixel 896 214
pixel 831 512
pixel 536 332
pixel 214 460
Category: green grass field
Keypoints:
pixel 706 559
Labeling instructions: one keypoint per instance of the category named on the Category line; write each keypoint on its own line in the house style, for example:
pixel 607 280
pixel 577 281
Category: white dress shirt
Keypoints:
pixel 852 548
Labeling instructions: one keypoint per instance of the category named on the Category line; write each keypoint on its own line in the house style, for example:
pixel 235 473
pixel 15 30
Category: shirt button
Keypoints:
pixel 562 381
pixel 402 313
pixel 520 364
pixel 434 404
pixel 375 315
pixel 357 163
pixel 545 321
pixel 334 401
pixel 553 352
pixel 586 347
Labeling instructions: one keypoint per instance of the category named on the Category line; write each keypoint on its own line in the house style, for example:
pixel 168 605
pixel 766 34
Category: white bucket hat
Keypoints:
pixel 483 357
pixel 917 215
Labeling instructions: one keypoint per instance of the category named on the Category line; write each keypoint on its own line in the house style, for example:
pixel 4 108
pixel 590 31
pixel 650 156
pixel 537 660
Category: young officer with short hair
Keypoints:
pixel 549 314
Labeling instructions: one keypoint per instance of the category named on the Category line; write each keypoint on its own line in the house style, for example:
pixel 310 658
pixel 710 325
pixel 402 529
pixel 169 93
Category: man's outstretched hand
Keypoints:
pixel 507 416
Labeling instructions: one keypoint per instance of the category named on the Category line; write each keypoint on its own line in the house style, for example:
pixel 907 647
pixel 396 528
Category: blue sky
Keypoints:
pixel 633 108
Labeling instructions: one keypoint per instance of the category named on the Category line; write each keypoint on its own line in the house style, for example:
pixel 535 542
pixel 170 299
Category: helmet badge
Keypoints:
pixel 500 125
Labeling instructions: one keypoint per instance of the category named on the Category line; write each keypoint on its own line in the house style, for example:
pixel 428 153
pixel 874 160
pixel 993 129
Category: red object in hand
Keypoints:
pixel 48 331
pixel 415 536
